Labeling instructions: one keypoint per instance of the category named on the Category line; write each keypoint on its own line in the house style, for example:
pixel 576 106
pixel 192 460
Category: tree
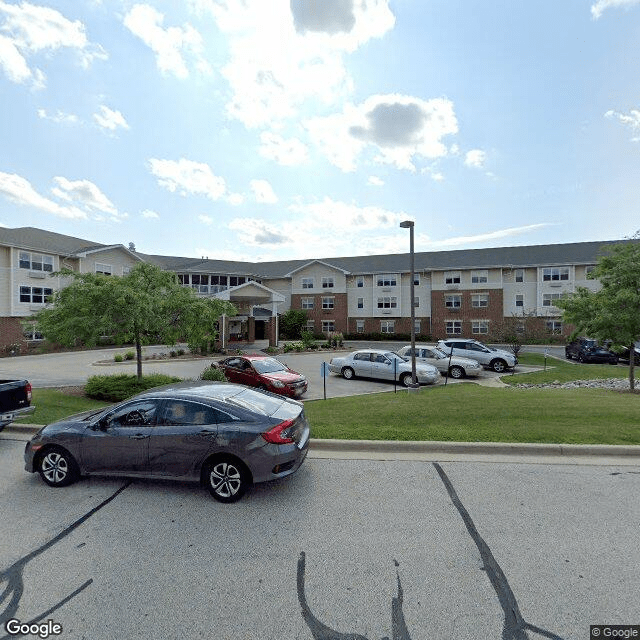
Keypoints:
pixel 292 323
pixel 613 312
pixel 146 306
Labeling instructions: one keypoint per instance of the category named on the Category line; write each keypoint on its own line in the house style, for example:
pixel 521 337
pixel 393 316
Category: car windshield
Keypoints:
pixel 269 365
pixel 438 354
pixel 393 356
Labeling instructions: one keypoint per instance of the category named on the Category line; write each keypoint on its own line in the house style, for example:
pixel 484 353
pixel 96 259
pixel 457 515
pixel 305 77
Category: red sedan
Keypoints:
pixel 265 373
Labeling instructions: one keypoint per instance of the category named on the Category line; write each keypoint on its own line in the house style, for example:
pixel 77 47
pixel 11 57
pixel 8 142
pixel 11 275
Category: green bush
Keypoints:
pixel 213 374
pixel 120 387
pixel 130 355
pixel 118 358
pixel 308 339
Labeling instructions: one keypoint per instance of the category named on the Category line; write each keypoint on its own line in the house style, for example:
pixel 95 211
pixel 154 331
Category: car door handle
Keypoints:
pixel 139 436
pixel 207 432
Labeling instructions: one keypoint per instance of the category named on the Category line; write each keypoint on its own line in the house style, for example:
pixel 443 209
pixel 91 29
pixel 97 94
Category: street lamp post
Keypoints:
pixel 408 224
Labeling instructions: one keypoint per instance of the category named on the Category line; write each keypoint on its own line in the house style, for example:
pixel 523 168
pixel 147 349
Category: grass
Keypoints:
pixel 53 404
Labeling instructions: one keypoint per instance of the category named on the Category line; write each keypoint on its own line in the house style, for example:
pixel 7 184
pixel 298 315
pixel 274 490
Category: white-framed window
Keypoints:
pixel 104 269
pixel 328 303
pixel 360 281
pixel 359 326
pixel 416 301
pixel 307 303
pixel 234 281
pixel 386 280
pixel 200 282
pixel 480 300
pixel 126 271
pixel 417 326
pixel 31 335
pixel 388 302
pixel 551 274
pixel 479 276
pixel 519 300
pixel 360 303
pixel 452 277
pixel 453 302
pixel 589 269
pixel 479 327
pixel 328 326
pixel 328 282
pixel 416 279
pixel 35 261
pixel 310 326
pixel 35 295
pixel 307 283
pixel 554 326
pixel 387 326
pixel 453 327
pixel 548 298
pixel 519 275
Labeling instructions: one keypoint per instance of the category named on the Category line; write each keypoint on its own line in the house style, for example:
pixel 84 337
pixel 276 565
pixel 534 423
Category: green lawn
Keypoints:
pixel 52 405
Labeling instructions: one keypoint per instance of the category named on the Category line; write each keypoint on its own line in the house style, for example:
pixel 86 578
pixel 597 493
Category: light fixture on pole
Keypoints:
pixel 409 224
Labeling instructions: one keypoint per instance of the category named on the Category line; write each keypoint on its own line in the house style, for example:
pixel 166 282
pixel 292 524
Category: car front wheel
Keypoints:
pixel 58 468
pixel 227 479
pixel 405 380
pixel 348 373
pixel 456 372
pixel 498 365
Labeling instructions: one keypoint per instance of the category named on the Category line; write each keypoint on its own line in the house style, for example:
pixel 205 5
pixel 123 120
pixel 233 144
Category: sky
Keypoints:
pixel 262 130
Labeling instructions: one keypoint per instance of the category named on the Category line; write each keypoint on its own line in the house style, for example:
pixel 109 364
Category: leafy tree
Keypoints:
pixel 146 306
pixel 613 312
pixel 292 323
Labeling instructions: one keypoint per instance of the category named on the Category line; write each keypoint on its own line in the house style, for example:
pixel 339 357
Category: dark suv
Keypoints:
pixel 588 350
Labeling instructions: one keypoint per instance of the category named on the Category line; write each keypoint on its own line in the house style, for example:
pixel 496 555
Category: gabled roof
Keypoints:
pixel 308 264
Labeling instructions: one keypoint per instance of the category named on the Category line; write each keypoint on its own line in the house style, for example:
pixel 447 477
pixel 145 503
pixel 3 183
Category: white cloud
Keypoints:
pixel 263 192
pixel 188 178
pixel 235 199
pixel 208 220
pixel 84 193
pixel 475 158
pixel 287 152
pixel 19 190
pixel 399 128
pixel 426 243
pixel 110 119
pixel 172 45
pixel 149 214
pixel 599 7
pixel 59 116
pixel 28 29
pixel 374 181
pixel 631 120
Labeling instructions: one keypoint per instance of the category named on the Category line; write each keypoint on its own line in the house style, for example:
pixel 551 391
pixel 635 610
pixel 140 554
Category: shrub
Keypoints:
pixel 118 357
pixel 120 387
pixel 214 374
pixel 130 355
pixel 181 352
pixel 173 354
pixel 307 339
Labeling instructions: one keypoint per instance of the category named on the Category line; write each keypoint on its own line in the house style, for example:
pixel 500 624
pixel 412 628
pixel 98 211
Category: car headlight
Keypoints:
pixel 277 384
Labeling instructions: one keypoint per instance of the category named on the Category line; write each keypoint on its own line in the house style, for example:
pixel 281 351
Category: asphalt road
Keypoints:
pixel 397 549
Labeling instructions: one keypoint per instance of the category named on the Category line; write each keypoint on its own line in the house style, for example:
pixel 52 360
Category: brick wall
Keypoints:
pixel 338 314
pixel 11 332
pixel 401 325
pixel 466 313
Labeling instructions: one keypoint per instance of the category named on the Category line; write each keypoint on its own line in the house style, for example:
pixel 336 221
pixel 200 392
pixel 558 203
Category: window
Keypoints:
pixel 307 283
pixel 452 277
pixel 234 281
pixel 388 302
pixel 548 298
pixel 327 282
pixel 200 283
pixel 328 326
pixel 183 279
pixel 359 326
pixel 416 327
pixel 479 276
pixel 453 327
pixel 360 281
pixel 35 261
pixel 328 303
pixel 104 269
pixel 180 412
pixel 479 326
pixel 519 300
pixel 387 326
pixel 310 326
pixel 386 280
pixel 480 300
pixel 136 414
pixel 554 326
pixel 126 271
pixel 35 295
pixel 519 275
pixel 307 303
pixel 551 274
pixel 588 270
pixel 416 301
pixel 360 303
pixel 453 302
pixel 416 279
pixel 31 334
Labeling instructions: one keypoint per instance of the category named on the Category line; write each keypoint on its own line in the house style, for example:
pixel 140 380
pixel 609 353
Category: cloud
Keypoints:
pixel 426 243
pixel 149 214
pixel 475 158
pixel 631 120
pixel 110 119
pixel 286 152
pixel 599 7
pixel 208 220
pixel 327 16
pixel 263 192
pixel 374 181
pixel 28 29
pixel 172 45
pixel 60 117
pixel 255 232
pixel 19 190
pixel 188 178
pixel 400 128
pixel 84 193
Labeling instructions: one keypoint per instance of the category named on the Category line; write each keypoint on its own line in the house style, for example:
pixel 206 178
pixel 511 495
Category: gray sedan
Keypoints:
pixel 224 435
pixel 383 365
pixel 456 366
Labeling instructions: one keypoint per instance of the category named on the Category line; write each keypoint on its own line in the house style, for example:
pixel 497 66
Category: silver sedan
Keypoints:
pixel 456 366
pixel 382 365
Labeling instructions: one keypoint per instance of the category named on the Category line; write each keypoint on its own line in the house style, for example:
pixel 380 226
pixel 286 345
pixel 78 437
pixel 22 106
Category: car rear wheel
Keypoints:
pixel 348 373
pixel 405 379
pixel 227 479
pixel 456 372
pixel 57 467
pixel 498 365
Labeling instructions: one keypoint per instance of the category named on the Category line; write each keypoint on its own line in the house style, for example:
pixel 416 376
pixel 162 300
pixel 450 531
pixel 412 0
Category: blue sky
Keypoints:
pixel 276 129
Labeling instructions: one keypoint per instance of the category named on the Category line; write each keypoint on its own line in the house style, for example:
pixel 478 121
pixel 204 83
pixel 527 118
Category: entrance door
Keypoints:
pixel 260 330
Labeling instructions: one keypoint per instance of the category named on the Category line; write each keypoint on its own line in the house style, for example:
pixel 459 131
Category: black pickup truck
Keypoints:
pixel 15 400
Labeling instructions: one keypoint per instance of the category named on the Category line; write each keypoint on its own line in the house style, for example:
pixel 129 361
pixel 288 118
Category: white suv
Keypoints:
pixel 488 357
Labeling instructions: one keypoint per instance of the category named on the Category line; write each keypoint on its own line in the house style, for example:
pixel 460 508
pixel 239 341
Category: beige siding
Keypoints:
pixel 117 259
pixel 317 272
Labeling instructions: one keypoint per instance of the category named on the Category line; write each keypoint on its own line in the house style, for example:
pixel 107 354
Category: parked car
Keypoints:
pixel 488 357
pixel 588 350
pixel 224 435
pixel 455 366
pixel 382 365
pixel 623 354
pixel 265 373
pixel 15 400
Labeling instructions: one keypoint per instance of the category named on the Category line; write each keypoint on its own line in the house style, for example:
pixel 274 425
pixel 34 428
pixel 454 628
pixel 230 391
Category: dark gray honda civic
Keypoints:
pixel 225 436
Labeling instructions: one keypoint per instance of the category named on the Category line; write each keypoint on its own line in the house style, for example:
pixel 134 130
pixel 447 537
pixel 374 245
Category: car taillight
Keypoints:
pixel 279 434
pixel 28 390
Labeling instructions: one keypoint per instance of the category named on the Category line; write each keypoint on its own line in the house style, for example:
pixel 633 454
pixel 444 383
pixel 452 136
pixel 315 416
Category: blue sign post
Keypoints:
pixel 324 373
